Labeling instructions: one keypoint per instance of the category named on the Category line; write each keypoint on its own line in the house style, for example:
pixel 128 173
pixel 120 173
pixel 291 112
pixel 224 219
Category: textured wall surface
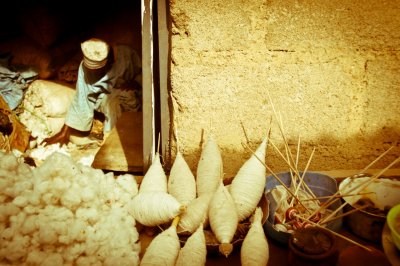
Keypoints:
pixel 331 69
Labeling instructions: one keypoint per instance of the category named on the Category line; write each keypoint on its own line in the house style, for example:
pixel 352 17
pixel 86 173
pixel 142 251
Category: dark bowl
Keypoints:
pixel 320 184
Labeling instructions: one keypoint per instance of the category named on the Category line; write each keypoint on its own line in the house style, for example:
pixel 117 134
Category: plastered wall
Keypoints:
pixel 330 68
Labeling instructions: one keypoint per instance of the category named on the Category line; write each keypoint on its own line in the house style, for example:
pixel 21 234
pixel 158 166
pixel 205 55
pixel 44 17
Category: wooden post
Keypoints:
pixel 163 44
pixel 148 85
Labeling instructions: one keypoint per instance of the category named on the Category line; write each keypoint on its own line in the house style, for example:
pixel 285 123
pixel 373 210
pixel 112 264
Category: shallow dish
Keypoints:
pixel 376 197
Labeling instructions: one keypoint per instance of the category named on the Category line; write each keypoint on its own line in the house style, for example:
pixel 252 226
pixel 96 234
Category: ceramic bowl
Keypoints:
pixel 320 184
pixel 393 221
pixel 375 197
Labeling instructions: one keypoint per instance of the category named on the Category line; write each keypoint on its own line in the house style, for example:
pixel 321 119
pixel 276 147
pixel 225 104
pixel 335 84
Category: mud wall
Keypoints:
pixel 331 69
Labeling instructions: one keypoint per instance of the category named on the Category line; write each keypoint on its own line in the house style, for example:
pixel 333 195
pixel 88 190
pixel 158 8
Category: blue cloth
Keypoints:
pixel 12 84
pixel 99 95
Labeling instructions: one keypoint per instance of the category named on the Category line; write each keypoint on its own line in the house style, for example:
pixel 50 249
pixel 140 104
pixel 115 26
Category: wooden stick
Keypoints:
pixel 175 130
pixel 296 164
pixel 377 159
pixel 270 127
pixel 298 152
pixel 290 166
pixel 288 154
pixel 302 179
pixel 158 142
pixel 175 221
pixel 345 214
pixel 245 133
pixel 286 143
pixel 338 196
pixel 283 157
pixel 280 125
pixel 304 174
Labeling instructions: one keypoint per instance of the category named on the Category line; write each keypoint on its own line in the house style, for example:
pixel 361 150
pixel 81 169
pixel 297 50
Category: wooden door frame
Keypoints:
pixel 148 84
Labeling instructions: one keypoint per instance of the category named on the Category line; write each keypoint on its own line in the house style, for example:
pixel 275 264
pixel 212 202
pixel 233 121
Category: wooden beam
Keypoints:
pixel 163 44
pixel 148 85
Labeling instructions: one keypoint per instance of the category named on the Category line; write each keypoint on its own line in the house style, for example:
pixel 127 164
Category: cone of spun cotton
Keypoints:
pixel 223 218
pixel 209 169
pixel 255 249
pixel 181 181
pixel 155 178
pixel 194 252
pixel 154 208
pixel 164 248
pixel 248 185
pixel 196 214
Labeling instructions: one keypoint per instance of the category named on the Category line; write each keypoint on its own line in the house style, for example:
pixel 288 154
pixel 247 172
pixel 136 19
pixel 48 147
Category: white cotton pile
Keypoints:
pixel 41 152
pixel 63 213
pixel 45 105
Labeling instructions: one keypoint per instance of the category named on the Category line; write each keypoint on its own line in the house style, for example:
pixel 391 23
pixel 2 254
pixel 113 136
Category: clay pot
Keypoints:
pixel 312 246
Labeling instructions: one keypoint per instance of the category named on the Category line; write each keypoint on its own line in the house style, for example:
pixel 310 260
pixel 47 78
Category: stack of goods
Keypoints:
pixel 200 205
